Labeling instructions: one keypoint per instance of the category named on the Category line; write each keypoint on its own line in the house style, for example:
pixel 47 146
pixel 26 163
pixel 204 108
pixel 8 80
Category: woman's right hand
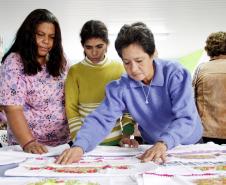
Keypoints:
pixel 35 148
pixel 127 142
pixel 70 155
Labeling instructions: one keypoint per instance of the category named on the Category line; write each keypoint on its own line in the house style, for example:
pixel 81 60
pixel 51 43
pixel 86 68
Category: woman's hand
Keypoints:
pixel 130 142
pixel 71 155
pixel 156 153
pixel 35 148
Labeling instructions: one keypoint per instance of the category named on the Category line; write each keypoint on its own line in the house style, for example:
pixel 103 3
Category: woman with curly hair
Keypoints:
pixel 32 85
pixel 210 86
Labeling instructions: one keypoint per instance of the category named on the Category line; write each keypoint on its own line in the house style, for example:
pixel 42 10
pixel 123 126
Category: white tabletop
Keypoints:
pixel 185 165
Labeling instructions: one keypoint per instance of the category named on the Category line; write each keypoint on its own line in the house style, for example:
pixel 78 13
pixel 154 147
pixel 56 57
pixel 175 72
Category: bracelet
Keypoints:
pixel 31 141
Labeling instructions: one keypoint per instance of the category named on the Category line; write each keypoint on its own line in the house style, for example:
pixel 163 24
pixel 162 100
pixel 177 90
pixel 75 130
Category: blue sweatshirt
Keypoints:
pixel 170 116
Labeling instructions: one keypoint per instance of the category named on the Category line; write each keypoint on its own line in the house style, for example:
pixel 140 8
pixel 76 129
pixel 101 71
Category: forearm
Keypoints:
pixel 18 124
pixel 177 131
pixel 74 126
pixel 184 115
pixel 72 113
pixel 95 128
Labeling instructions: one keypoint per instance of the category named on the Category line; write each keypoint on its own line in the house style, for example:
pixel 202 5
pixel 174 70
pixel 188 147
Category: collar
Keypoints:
pixel 90 63
pixel 219 57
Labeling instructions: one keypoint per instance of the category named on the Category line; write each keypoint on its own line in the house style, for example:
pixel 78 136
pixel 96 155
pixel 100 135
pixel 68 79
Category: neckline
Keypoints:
pixel 101 63
pixel 146 95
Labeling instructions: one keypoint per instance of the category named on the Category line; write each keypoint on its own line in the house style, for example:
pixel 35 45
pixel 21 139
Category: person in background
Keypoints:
pixel 209 84
pixel 157 93
pixel 32 78
pixel 86 81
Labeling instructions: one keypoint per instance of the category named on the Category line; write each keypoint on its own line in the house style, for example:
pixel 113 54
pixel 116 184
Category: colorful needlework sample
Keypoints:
pixel 211 167
pixel 61 182
pixel 211 181
pixel 88 166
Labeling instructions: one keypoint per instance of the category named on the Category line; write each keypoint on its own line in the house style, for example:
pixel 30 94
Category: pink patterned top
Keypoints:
pixel 42 97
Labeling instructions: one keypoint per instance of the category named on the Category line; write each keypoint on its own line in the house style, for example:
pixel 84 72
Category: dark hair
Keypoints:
pixel 136 33
pixel 25 44
pixel 94 29
pixel 216 44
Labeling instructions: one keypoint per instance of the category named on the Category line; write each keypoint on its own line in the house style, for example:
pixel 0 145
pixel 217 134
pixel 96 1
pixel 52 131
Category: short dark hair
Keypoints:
pixel 136 33
pixel 94 29
pixel 25 44
pixel 216 44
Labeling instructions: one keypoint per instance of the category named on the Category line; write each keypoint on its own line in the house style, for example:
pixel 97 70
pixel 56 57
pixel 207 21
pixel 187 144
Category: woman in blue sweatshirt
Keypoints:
pixel 157 93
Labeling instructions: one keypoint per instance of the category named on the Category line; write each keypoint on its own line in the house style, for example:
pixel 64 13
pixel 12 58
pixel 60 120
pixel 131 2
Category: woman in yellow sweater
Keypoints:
pixel 86 81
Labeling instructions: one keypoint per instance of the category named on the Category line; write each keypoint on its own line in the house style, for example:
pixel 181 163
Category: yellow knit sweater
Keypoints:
pixel 84 91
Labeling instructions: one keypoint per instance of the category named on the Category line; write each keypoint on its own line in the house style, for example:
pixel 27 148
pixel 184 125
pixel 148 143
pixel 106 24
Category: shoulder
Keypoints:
pixel 116 63
pixel 12 62
pixel 13 58
pixel 116 67
pixel 75 69
pixel 120 84
pixel 199 68
pixel 170 65
pixel 76 66
pixel 173 72
pixel 205 65
pixel 116 89
pixel 205 69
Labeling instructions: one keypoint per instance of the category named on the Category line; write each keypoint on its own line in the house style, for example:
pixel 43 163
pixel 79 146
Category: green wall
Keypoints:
pixel 190 61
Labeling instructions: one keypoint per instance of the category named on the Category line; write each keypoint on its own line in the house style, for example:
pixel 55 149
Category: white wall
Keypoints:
pixel 180 26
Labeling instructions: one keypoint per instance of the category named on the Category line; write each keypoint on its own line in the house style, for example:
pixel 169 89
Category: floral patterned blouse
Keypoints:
pixel 42 97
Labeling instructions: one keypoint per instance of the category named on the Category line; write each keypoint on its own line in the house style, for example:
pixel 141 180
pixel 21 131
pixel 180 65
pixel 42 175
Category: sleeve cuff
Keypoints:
pixel 82 144
pixel 168 141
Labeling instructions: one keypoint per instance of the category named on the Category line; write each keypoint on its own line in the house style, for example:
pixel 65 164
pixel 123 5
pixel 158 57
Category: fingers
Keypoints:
pixel 63 158
pixel 36 148
pixel 163 157
pixel 125 142
pixel 70 155
pixel 121 143
pixel 147 156
pixel 42 149
pixel 60 158
pixel 39 149
pixel 68 158
pixel 157 153
pixel 135 143
pixel 131 143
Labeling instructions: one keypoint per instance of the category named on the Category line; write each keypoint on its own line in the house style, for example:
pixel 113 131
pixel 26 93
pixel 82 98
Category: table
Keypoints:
pixel 191 164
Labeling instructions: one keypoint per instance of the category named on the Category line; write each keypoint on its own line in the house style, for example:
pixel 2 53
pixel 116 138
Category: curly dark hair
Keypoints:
pixel 25 44
pixel 94 29
pixel 216 44
pixel 136 33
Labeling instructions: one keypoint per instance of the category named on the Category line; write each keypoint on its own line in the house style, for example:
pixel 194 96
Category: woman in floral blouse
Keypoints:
pixel 32 85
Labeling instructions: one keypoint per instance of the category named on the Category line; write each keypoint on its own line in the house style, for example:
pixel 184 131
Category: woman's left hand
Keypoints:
pixel 156 153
